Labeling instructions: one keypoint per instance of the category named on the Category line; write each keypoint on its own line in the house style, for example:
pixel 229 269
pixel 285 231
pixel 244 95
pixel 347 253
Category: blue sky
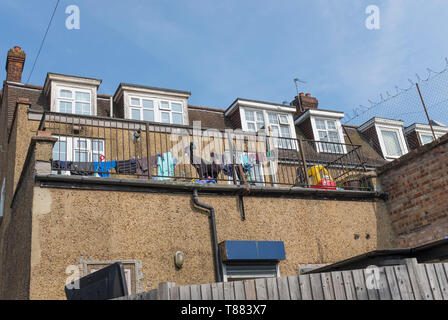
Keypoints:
pixel 221 50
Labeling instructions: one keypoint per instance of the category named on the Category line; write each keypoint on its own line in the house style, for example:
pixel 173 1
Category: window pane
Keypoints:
pixel 323 136
pixel 320 124
pixel 177 118
pixel 81 156
pixel 177 107
pixel 331 124
pixel 82 108
pixel 251 127
pixel 392 144
pixel 60 151
pixel 135 102
pixel 273 119
pixel 427 139
pixel 82 144
pixel 164 105
pixel 82 96
pixel 65 107
pixel 260 125
pixel 148 104
pixel 148 115
pixel 249 115
pixel 65 94
pixel 135 114
pixel 285 131
pixel 275 131
pixel 165 117
pixel 334 137
pixel 283 119
pixel 95 145
pixel 260 116
pixel 96 158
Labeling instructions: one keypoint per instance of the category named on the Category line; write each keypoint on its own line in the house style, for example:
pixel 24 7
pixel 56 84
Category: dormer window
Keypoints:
pixel 254 120
pixel 386 136
pixel 74 101
pixel 323 126
pixel 142 109
pixel 151 104
pixel 170 112
pixel 420 134
pixel 69 94
pixel 391 143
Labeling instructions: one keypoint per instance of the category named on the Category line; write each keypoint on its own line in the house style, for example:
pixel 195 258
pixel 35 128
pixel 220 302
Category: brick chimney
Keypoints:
pixel 14 64
pixel 307 102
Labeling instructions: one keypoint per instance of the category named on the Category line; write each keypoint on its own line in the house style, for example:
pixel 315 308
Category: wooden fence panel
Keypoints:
pixel 316 286
pixel 272 287
pixel 384 291
pixel 401 282
pixel 443 280
pixel 294 288
pixel 249 288
pixel 283 288
pixel 239 290
pixel 360 285
pixel 349 285
pixel 338 285
pixel 305 287
pixel 433 282
pixel 260 289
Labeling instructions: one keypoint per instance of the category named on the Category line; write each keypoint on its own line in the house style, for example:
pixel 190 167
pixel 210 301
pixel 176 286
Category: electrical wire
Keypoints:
pixel 43 41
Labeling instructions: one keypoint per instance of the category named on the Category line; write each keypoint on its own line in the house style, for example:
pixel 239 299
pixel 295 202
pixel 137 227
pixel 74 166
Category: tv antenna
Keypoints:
pixel 297 80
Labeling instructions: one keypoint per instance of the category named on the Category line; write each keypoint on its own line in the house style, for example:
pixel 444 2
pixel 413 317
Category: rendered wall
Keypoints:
pixel 74 225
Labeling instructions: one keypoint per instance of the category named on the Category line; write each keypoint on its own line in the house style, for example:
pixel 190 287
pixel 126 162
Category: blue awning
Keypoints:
pixel 252 250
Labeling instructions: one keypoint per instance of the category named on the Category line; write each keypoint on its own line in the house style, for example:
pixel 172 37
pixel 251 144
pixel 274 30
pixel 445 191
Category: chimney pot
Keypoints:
pixel 301 94
pixel 308 95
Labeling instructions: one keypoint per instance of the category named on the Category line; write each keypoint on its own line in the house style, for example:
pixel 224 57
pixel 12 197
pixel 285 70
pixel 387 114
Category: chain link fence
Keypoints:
pixel 409 104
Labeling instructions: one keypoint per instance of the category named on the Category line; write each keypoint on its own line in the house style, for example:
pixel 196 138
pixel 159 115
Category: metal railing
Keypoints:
pixel 110 147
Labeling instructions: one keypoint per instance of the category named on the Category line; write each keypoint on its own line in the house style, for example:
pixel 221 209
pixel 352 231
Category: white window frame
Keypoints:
pixel 226 278
pixel 130 272
pixel 141 109
pixel 73 100
pixel 401 140
pixel 268 126
pixel 422 133
pixel 71 142
pixel 319 146
pixel 157 108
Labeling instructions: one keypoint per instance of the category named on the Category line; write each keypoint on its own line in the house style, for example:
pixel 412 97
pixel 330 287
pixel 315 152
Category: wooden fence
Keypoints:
pixel 410 281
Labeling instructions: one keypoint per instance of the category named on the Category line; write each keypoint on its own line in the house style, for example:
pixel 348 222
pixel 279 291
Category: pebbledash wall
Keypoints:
pixel 51 226
pixel 417 184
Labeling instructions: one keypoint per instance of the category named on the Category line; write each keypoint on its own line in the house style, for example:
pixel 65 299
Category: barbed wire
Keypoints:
pixel 434 88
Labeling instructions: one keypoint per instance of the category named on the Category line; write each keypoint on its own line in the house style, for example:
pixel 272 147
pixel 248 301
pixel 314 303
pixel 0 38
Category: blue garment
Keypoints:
pixel 165 166
pixel 105 166
pixel 205 181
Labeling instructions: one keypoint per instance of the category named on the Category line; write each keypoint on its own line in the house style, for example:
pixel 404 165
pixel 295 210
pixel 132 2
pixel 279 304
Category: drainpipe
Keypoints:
pixel 214 235
pixel 111 107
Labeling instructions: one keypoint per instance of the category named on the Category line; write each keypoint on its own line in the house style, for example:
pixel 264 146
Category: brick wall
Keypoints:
pixel 418 188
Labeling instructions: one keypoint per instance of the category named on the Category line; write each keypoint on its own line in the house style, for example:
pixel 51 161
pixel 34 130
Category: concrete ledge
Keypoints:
pixel 139 185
